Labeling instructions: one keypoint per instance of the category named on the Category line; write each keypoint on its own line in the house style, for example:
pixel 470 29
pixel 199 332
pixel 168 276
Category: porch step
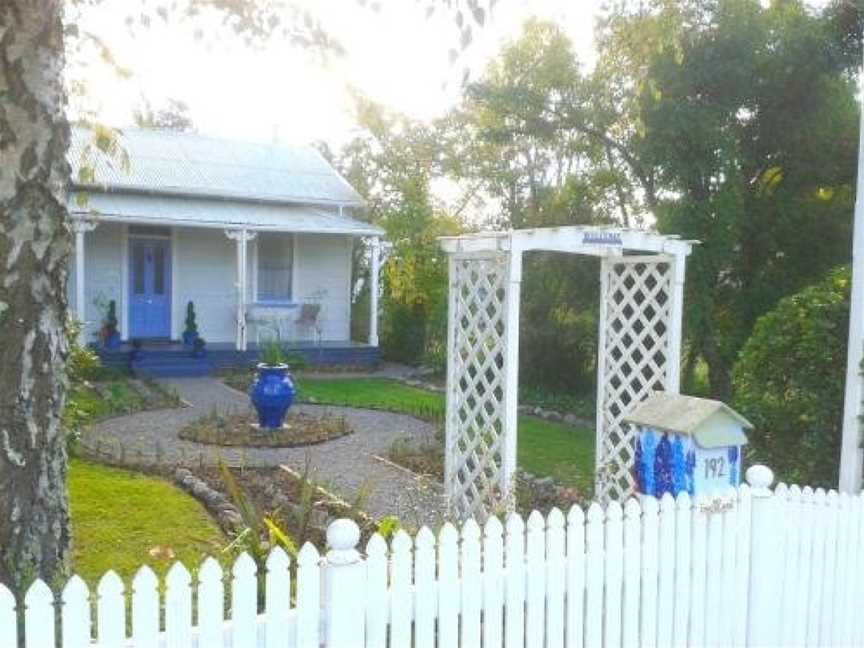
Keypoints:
pixel 175 360
pixel 176 367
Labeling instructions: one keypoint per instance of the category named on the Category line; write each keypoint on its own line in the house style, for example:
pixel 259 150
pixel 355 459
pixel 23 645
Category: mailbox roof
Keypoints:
pixel 711 423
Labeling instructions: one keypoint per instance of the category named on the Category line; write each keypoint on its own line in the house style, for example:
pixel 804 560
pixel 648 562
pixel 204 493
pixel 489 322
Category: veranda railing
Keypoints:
pixel 759 568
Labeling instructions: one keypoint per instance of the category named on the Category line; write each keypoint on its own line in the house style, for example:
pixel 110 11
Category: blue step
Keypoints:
pixel 176 368
pixel 176 360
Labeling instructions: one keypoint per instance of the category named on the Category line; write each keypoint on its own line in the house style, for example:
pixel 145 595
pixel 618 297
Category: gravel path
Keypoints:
pixel 346 465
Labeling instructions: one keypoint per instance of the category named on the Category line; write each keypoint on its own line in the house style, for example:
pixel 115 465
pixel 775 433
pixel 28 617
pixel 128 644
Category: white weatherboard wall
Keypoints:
pixel 761 568
pixel 323 265
pixel 103 274
pixel 204 271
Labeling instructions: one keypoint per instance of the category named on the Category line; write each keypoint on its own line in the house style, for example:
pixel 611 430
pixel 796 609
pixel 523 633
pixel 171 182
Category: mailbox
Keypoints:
pixel 687 444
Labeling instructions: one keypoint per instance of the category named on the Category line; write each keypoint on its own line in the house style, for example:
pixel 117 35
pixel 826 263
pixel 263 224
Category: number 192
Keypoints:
pixel 715 467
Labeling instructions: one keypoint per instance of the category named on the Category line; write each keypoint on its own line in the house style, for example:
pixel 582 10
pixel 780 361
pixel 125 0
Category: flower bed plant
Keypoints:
pixel 240 430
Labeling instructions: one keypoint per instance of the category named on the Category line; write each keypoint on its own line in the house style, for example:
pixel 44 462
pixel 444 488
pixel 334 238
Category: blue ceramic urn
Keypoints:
pixel 272 393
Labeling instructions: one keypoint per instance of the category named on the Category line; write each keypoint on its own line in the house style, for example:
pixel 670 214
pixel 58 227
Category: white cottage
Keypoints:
pixel 259 237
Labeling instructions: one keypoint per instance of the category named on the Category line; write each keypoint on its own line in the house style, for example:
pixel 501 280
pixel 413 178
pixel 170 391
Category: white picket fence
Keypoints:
pixel 760 568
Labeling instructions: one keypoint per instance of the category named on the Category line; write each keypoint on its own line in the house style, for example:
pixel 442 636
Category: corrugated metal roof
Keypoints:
pixel 208 212
pixel 175 163
pixel 684 415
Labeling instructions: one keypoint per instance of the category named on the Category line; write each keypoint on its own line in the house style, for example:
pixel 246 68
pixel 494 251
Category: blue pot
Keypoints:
pixel 113 341
pixel 272 393
pixel 199 352
pixel 189 338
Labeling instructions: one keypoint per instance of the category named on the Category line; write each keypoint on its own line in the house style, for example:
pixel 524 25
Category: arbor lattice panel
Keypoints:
pixel 635 350
pixel 475 426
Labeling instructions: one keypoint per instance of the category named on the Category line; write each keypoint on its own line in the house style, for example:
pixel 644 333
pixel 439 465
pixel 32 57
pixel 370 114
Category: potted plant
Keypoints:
pixel 272 391
pixel 190 333
pixel 137 352
pixel 108 333
pixel 198 350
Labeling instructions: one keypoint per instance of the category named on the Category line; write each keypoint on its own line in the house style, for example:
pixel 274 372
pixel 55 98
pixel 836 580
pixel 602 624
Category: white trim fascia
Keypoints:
pixel 223 225
pixel 224 196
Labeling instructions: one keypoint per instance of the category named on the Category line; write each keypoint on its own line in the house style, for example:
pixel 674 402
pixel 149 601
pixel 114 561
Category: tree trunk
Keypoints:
pixel 34 248
pixel 719 372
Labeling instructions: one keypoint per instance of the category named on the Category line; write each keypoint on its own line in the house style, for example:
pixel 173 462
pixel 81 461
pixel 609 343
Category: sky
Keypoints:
pixel 274 90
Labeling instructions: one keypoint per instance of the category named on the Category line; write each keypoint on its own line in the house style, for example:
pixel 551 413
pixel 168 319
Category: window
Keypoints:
pixel 275 262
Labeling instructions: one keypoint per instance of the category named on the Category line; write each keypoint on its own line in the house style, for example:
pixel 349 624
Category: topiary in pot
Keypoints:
pixel 190 333
pixel 137 352
pixel 108 333
pixel 199 347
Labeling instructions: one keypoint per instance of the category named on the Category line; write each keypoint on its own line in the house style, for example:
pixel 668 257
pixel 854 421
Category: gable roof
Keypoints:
pixel 188 164
pixel 690 416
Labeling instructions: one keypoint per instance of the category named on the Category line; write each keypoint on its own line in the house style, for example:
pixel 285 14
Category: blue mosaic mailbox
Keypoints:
pixel 688 444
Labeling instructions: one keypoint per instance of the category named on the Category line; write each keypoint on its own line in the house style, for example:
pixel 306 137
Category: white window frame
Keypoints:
pixel 270 302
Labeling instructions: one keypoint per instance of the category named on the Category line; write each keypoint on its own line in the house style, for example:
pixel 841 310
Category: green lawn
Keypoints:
pixel 544 447
pixel 122 519
pixel 372 393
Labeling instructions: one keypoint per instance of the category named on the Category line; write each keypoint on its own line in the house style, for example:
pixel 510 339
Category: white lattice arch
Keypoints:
pixel 641 304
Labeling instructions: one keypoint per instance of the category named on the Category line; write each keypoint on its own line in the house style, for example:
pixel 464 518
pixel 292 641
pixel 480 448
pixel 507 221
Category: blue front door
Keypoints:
pixel 149 288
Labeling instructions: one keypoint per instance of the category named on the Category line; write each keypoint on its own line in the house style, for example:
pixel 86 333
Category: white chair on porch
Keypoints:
pixel 309 320
pixel 270 323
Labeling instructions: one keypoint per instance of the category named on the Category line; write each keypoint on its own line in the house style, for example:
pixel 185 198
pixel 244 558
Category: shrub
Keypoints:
pixel 789 382
pixel 82 363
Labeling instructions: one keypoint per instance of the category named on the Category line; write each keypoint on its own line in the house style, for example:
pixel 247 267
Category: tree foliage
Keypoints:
pixel 789 382
pixel 173 116
pixel 392 163
pixel 731 122
pixel 751 124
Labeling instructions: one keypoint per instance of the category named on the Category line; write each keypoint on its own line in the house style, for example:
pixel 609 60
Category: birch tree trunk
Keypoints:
pixel 34 248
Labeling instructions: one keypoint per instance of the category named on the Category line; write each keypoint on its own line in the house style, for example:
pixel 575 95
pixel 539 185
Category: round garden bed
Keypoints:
pixel 299 430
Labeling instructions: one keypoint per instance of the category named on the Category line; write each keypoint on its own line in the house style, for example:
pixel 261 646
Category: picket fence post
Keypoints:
pixel 344 587
pixel 765 583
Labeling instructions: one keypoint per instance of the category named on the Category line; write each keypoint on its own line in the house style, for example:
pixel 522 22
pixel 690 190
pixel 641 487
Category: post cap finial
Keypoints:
pixel 760 476
pixel 342 538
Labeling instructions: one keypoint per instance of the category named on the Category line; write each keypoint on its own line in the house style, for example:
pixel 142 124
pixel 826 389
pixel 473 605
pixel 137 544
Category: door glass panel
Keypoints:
pixel 138 264
pixel 159 271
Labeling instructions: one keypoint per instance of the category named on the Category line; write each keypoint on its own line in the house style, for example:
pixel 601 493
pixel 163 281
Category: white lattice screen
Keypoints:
pixel 641 303
pixel 475 398
pixel 634 356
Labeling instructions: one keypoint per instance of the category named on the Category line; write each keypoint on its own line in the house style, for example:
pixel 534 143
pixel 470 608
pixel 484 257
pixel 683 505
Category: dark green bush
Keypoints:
pixel 789 382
